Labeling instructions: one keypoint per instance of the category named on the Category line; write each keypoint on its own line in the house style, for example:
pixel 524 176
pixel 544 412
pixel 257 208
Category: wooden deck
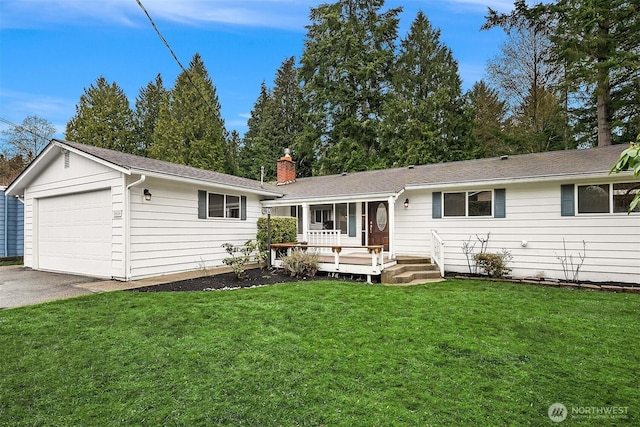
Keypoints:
pixel 365 260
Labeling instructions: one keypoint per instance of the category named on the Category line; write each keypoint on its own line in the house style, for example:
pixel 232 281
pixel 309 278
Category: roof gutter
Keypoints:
pixel 522 180
pixel 140 181
pixel 289 201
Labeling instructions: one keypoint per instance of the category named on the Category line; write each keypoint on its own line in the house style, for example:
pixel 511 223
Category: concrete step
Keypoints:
pixel 405 273
pixel 410 276
pixel 407 259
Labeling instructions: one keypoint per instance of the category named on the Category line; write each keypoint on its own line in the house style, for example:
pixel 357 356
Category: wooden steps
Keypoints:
pixel 410 270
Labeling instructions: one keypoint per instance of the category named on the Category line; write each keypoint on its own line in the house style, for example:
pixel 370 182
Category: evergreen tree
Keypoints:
pixel 104 118
pixel 234 141
pixel 539 123
pixel 345 66
pixel 598 42
pixel 190 130
pixel 489 116
pixel 425 118
pixel 148 104
pixel 287 108
pixel 274 124
pixel 259 149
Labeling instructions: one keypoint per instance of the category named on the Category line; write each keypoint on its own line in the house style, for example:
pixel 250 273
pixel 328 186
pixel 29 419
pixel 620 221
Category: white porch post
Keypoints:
pixel 392 227
pixel 305 222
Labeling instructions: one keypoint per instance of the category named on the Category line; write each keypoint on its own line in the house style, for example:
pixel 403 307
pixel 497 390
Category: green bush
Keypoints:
pixel 495 265
pixel 239 257
pixel 301 263
pixel 284 229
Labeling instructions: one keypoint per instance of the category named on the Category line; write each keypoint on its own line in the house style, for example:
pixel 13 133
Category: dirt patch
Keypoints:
pixel 250 279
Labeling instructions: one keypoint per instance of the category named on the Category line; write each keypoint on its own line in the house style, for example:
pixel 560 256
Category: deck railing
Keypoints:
pixel 437 251
pixel 323 239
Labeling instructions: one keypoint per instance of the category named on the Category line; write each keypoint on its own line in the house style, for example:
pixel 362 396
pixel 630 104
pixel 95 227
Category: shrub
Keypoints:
pixel 284 229
pixel 301 263
pixel 495 265
pixel 239 257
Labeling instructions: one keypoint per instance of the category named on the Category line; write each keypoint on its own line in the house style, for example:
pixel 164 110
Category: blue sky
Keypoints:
pixel 51 50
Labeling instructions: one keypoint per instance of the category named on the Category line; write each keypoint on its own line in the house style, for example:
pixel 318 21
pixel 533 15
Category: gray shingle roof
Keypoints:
pixel 519 167
pixel 138 163
pixel 389 181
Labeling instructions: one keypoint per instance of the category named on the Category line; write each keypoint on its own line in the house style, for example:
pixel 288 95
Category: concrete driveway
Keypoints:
pixel 20 286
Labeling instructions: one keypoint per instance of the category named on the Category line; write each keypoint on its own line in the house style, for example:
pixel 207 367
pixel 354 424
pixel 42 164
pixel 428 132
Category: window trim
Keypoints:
pixel 575 193
pixel 438 200
pixel 204 207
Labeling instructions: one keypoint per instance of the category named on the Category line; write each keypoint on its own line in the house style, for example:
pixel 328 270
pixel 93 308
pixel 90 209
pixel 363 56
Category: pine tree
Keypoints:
pixel 598 43
pixel 274 124
pixel 287 108
pixel 425 117
pixel 148 104
pixel 489 114
pixel 259 149
pixel 345 66
pixel 104 118
pixel 190 130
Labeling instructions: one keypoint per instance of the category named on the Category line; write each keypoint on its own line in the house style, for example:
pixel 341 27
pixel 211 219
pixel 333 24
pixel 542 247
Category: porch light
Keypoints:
pixel 406 203
pixel 147 194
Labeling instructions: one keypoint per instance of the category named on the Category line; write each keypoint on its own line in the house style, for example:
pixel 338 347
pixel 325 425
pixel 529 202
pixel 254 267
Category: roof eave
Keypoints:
pixel 362 197
pixel 196 181
pixel 504 181
pixel 17 186
pixel 96 159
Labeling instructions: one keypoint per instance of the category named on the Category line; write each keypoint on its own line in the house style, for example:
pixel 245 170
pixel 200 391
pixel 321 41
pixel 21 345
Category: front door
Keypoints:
pixel 379 224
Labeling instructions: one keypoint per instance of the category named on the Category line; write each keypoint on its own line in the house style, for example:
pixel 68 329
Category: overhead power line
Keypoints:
pixel 22 128
pixel 175 57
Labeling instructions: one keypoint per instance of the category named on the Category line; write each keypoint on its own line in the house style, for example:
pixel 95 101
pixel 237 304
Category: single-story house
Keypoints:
pixel 11 226
pixel 104 213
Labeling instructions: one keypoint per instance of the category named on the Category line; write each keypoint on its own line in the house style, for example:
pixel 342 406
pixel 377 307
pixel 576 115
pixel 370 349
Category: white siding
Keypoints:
pixel 168 237
pixel 56 180
pixel 532 215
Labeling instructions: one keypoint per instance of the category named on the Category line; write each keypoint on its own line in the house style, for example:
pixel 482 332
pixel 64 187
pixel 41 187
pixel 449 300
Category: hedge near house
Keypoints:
pixel 283 230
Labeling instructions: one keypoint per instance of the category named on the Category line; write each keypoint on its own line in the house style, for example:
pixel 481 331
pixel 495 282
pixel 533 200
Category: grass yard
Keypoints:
pixel 456 353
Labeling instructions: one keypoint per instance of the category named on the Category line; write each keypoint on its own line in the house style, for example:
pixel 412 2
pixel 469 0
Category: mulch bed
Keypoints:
pixel 257 277
pixel 250 279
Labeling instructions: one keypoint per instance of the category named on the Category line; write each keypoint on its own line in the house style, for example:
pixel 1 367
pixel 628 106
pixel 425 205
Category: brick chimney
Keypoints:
pixel 286 169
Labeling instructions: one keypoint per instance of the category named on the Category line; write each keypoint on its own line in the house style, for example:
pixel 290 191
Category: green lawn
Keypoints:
pixel 456 353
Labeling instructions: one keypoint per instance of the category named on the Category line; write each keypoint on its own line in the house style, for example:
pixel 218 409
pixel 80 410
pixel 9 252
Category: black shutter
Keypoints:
pixel 567 200
pixel 202 204
pixel 243 208
pixel 436 205
pixel 500 203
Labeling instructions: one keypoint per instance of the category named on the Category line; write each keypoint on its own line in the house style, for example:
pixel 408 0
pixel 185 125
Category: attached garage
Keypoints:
pixel 103 213
pixel 74 233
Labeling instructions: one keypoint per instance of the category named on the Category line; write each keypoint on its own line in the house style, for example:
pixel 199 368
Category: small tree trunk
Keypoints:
pixel 604 127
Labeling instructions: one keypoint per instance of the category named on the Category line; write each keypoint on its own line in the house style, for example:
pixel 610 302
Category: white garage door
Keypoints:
pixel 74 233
